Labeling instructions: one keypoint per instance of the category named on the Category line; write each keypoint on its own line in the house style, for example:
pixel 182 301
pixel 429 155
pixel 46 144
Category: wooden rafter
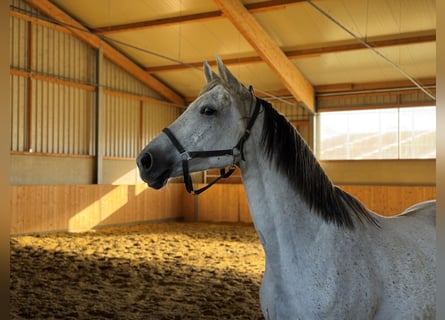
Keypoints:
pixel 376 42
pixel 348 87
pixel 78 30
pixel 197 17
pixel 352 89
pixel 269 51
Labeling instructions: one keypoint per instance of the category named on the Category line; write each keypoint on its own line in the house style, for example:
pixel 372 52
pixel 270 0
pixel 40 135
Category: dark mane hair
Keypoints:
pixel 292 157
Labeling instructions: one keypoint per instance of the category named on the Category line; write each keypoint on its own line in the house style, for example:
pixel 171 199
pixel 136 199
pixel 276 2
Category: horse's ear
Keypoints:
pixel 226 74
pixel 209 73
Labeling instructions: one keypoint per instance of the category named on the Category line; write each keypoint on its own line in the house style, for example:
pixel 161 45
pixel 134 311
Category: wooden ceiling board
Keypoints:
pixel 187 42
pixel 379 17
pixel 189 82
pixel 365 66
pixel 100 13
pixel 303 25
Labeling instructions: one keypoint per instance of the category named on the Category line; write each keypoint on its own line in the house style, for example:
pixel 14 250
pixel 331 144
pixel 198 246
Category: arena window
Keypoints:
pixel 396 133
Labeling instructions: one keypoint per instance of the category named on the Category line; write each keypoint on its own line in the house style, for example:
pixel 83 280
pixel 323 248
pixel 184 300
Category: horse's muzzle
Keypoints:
pixel 156 179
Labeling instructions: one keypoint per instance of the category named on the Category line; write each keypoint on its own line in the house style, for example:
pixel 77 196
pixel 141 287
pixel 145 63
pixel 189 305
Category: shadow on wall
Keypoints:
pixel 82 207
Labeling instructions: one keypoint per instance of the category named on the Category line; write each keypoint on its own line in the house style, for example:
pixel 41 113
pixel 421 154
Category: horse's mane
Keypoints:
pixel 292 157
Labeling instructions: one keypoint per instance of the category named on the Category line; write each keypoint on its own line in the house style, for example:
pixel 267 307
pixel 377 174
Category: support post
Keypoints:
pixel 29 137
pixel 99 127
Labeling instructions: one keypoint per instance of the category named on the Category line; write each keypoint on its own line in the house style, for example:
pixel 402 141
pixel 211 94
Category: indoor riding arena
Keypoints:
pixel 93 82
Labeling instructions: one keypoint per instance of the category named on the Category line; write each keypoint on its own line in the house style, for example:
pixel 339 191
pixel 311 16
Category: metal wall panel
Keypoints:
pixel 418 98
pixel 22 6
pixel 155 118
pixel 125 131
pixel 376 100
pixel 61 55
pixel 55 114
pixel 19 43
pixel 19 113
pixel 116 78
pixel 61 118
pixel 121 126
pixel 19 59
pixel 292 112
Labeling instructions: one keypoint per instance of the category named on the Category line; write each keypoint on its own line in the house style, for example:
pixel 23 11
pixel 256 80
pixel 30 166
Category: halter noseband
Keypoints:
pixel 235 152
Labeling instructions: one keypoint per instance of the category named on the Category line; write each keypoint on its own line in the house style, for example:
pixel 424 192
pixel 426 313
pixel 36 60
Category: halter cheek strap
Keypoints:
pixel 235 152
pixel 245 136
pixel 187 156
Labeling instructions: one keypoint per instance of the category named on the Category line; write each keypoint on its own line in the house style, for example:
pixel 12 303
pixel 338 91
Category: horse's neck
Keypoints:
pixel 282 219
pixel 279 214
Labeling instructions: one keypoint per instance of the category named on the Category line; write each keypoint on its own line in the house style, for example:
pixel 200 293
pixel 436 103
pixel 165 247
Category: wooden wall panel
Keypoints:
pixel 228 202
pixel 390 200
pixel 409 172
pixel 219 203
pixel 223 203
pixel 84 207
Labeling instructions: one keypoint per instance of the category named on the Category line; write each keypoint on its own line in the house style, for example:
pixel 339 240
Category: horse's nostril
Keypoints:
pixel 146 161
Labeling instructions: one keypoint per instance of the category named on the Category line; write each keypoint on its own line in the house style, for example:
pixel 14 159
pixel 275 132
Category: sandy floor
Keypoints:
pixel 150 271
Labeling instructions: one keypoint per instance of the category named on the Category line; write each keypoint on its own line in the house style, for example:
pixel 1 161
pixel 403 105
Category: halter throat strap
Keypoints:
pixel 235 152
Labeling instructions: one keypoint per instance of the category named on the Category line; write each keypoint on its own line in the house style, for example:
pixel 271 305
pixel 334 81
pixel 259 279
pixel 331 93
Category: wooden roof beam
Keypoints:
pixel 196 17
pixel 110 52
pixel 376 42
pixel 380 85
pixel 350 88
pixel 269 52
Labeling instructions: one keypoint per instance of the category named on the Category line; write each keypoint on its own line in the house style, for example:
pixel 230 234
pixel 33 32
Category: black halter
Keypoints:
pixel 235 152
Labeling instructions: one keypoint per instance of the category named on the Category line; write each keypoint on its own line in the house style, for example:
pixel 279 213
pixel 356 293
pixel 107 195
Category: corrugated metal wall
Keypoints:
pixel 19 40
pixel 155 118
pixel 59 54
pixel 299 117
pixel 50 114
pixel 19 115
pixel 54 85
pixel 293 112
pixel 373 100
pixel 61 118
pixel 122 126
pixel 19 85
pixel 115 78
pixel 130 122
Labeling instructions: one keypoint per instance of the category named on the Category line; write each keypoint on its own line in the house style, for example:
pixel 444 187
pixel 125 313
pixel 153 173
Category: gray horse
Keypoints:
pixel 327 256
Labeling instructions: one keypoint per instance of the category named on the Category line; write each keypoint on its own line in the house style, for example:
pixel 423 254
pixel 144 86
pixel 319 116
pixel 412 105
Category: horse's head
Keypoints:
pixel 216 120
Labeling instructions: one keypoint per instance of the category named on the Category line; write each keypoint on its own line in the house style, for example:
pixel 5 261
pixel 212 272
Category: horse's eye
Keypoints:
pixel 207 110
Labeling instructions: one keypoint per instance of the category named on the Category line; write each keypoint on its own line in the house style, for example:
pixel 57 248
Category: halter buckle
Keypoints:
pixel 185 156
pixel 236 155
